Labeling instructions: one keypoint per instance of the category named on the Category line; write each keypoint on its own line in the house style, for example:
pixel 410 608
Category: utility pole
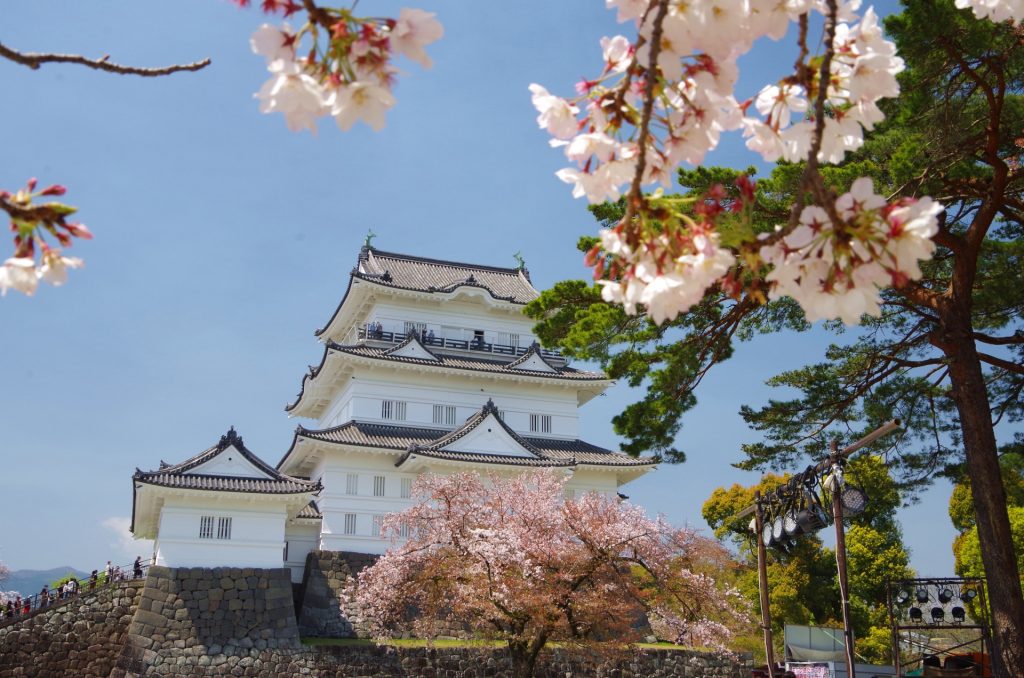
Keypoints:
pixel 762 586
pixel 837 460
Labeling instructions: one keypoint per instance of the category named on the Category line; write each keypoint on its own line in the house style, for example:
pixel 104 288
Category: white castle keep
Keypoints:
pixel 428 367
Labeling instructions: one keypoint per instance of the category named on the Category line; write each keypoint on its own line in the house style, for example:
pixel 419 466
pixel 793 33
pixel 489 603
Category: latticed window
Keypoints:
pixel 224 528
pixel 444 414
pixel 393 409
pixel 206 527
pixel 540 423
pixel 403 530
pixel 414 328
pixel 350 523
pixel 378 486
pixel 406 488
pixel 352 483
pixel 375 527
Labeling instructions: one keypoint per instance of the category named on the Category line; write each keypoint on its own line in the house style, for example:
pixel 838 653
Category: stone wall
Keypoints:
pixel 81 636
pixel 325 611
pixel 187 614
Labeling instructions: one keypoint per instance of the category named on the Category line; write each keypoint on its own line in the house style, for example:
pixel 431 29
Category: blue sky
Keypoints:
pixel 223 241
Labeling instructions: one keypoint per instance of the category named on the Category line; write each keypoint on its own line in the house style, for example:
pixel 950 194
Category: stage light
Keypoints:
pixel 777 529
pixel 916 615
pixel 938 614
pixel 959 615
pixel 790 525
pixel 902 597
pixel 812 518
pixel 921 594
pixel 945 595
pixel 855 500
pixel 766 533
pixel 968 595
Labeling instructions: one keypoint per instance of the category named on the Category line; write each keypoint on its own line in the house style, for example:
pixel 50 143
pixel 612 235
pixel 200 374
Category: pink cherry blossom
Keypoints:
pixel 273 43
pixel 497 553
pixel 557 115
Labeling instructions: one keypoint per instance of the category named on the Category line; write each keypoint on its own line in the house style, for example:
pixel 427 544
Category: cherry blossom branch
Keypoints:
pixel 635 197
pixel 35 59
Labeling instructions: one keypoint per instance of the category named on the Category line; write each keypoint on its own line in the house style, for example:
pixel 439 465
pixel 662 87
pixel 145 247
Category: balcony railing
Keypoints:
pixel 475 344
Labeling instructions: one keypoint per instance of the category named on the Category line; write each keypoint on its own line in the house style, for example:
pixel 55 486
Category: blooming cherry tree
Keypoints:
pixel 666 96
pixel 512 559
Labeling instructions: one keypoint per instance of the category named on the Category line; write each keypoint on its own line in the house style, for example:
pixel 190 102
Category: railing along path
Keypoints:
pixel 19 609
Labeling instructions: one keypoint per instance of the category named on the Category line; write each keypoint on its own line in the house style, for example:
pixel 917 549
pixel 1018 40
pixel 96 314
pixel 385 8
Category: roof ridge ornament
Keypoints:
pixel 490 408
pixel 229 439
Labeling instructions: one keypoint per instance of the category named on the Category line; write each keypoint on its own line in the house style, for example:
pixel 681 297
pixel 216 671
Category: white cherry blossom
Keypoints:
pixel 557 115
pixel 414 30
pixel 273 43
pixel 20 274
pixel 55 267
pixel 294 93
pixel 360 100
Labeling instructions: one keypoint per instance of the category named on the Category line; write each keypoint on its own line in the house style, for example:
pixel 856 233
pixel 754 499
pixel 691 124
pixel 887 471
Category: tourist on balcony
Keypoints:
pixel 26 606
pixel 137 568
pixel 430 337
pixel 72 587
pixel 44 596
pixel 93 580
pixel 9 612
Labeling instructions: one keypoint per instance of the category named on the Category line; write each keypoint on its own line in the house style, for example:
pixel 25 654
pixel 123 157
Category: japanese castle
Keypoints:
pixel 428 367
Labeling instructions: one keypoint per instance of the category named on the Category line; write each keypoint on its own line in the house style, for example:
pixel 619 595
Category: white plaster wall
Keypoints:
pixel 301 538
pixel 335 502
pixel 361 399
pixel 257 534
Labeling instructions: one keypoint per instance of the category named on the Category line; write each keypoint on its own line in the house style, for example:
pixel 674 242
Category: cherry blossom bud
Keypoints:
pixel 56 189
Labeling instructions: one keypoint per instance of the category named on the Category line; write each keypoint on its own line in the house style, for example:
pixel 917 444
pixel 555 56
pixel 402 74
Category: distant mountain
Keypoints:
pixel 29 582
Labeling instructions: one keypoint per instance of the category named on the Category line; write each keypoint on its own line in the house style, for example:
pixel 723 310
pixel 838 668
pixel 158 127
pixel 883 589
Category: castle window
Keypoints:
pixel 415 328
pixel 206 527
pixel 444 414
pixel 403 530
pixel 224 528
pixel 352 483
pixel 540 423
pixel 393 409
pixel 350 523
pixel 375 527
pixel 378 486
pixel 406 488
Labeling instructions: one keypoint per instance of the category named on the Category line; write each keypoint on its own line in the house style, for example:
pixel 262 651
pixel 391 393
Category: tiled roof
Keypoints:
pixel 427 441
pixel 178 476
pixel 195 481
pixel 435 275
pixel 463 362
pixel 419 274
pixel 311 511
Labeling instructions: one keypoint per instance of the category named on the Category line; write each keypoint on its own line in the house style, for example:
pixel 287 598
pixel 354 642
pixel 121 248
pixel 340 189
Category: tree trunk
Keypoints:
pixel 1003 579
pixel 522 659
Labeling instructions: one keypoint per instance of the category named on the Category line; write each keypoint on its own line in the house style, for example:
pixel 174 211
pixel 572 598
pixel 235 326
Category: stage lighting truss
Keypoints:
pixel 935 602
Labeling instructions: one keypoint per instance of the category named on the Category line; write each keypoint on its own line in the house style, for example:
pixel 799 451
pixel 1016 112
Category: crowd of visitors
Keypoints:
pixel 69 588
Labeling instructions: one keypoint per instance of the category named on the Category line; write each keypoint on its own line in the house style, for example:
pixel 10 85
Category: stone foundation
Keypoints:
pixel 187 615
pixel 325 611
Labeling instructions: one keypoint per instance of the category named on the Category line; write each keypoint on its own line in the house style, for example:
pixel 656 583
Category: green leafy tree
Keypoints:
pixel 967 547
pixel 947 354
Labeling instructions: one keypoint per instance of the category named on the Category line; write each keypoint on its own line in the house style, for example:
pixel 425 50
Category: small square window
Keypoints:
pixel 378 486
pixel 406 488
pixel 206 527
pixel 350 523
pixel 352 483
pixel 224 528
